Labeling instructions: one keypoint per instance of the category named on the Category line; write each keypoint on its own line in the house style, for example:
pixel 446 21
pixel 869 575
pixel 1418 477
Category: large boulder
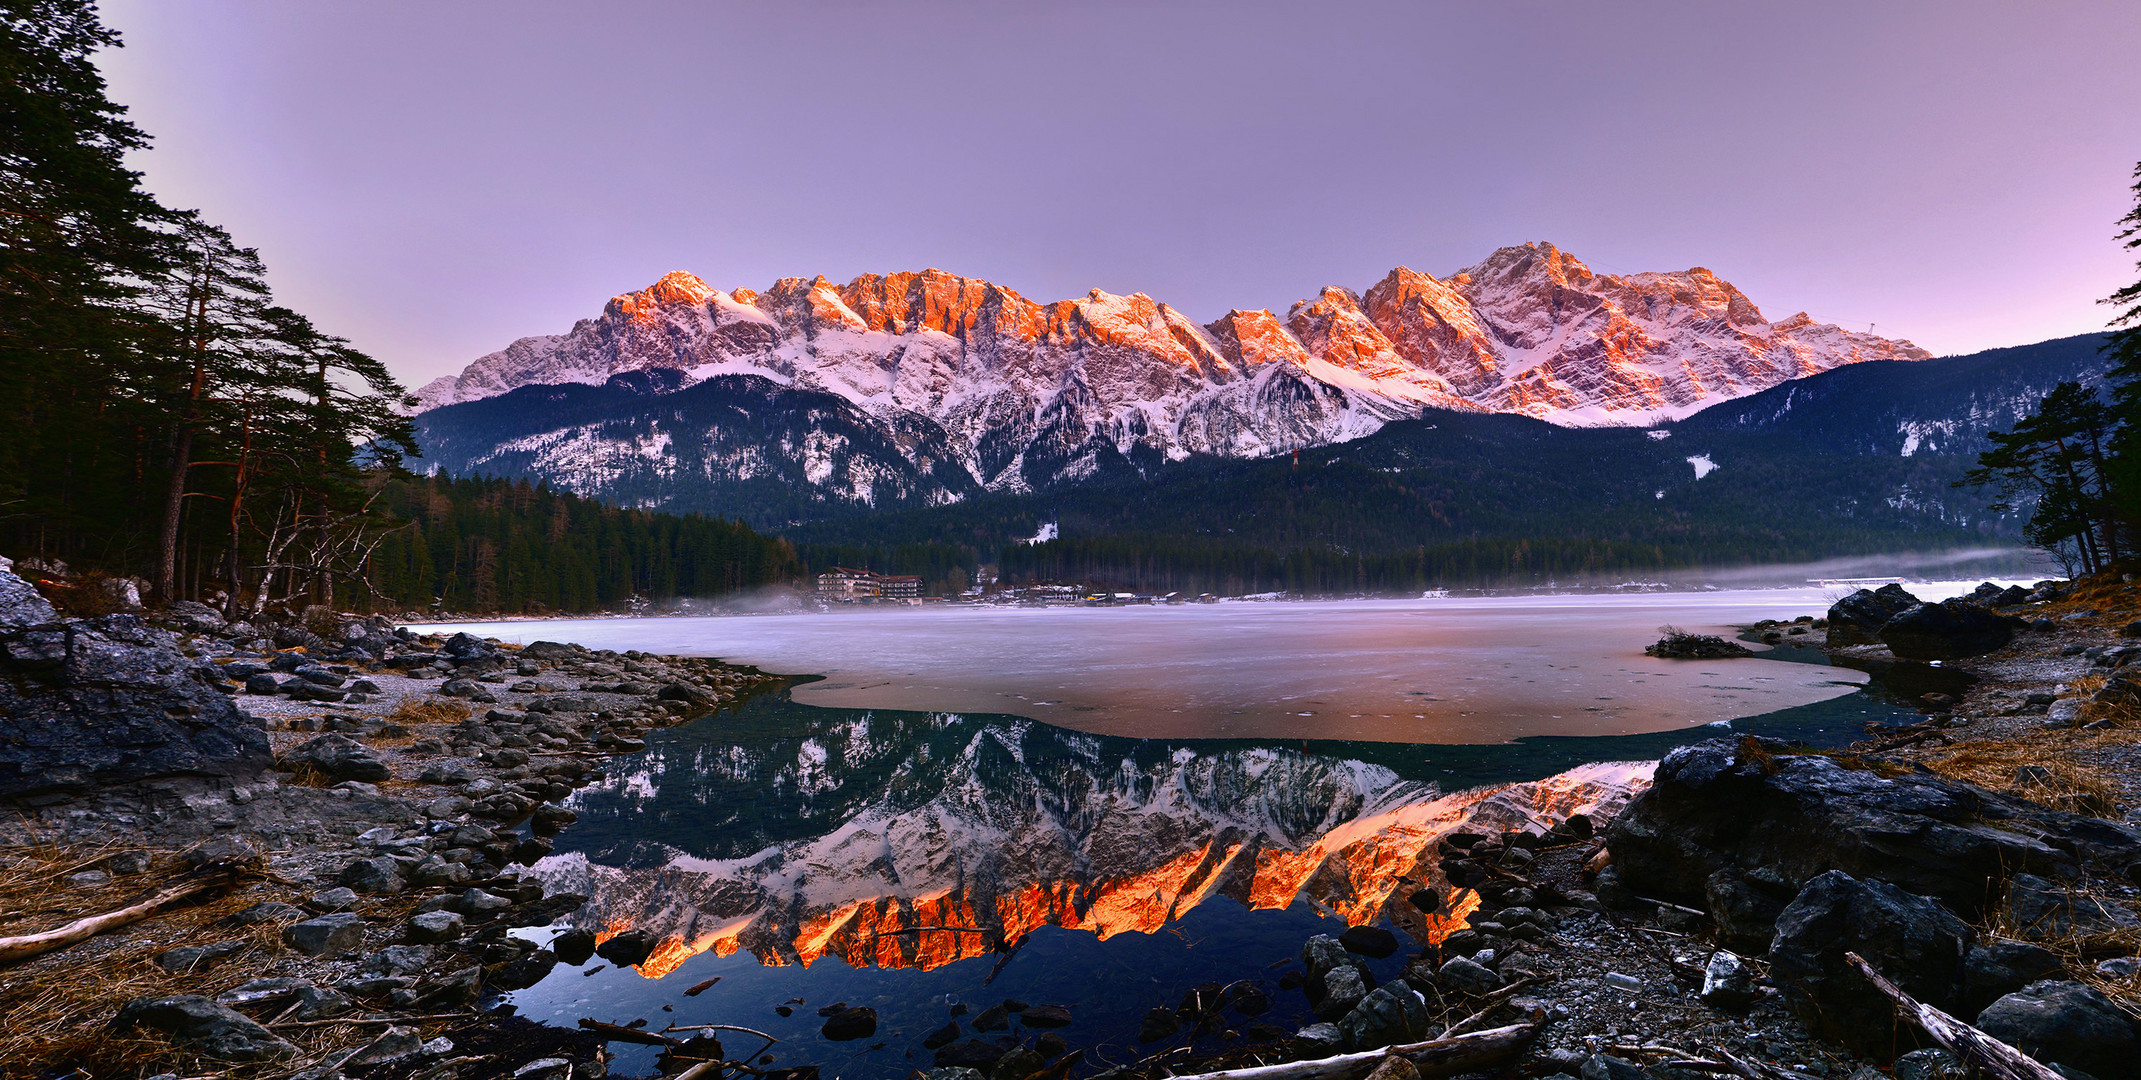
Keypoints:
pixel 1946 631
pixel 1780 818
pixel 1387 1016
pixel 2068 1024
pixel 1915 942
pixel 2041 910
pixel 93 702
pixel 1857 619
pixel 20 602
pixel 338 757
pixel 204 1027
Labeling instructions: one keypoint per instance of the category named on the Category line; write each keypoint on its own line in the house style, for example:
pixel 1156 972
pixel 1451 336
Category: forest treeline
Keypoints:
pixel 162 416
pixel 512 546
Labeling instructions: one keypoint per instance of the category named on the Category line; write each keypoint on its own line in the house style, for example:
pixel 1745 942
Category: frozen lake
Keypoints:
pixel 1438 670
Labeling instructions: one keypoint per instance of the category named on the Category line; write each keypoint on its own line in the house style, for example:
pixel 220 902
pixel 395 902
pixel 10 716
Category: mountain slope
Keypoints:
pixel 1024 396
pixel 1805 471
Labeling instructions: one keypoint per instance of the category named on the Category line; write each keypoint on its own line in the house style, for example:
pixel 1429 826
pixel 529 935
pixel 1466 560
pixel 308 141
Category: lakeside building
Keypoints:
pixel 841 585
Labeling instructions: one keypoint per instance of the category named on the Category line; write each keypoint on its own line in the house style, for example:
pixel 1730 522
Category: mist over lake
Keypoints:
pixel 1434 670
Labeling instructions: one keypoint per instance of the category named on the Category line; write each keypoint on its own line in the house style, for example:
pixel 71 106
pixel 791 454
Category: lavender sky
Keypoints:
pixel 434 180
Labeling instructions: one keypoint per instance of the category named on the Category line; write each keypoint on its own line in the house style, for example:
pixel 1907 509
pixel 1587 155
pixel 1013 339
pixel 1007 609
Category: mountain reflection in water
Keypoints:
pixel 901 840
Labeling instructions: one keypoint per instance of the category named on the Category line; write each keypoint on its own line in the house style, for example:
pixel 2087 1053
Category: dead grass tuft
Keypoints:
pixel 2063 783
pixel 56 1009
pixel 423 709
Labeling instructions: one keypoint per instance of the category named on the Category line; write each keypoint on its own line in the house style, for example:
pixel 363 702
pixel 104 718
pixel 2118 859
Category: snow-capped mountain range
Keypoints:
pixel 981 389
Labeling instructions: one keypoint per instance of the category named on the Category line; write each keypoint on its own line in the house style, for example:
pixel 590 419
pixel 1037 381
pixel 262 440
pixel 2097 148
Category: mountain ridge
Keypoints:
pixel 1030 395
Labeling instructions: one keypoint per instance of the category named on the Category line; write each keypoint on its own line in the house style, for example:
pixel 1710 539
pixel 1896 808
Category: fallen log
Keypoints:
pixel 21 947
pixel 1437 1057
pixel 621 1033
pixel 1981 1054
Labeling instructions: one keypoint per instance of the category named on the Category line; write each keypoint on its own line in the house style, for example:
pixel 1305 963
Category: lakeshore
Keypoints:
pixel 465 800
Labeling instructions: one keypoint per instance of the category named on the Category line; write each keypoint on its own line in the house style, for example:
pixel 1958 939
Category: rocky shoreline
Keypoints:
pixel 354 807
pixel 360 827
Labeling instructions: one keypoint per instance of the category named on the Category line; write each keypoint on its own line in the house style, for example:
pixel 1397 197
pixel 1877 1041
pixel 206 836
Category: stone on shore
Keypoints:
pixel 204 1027
pixel 1913 941
pixel 1950 630
pixel 1857 619
pixel 1780 818
pixel 339 757
pixel 326 935
pixel 2066 1023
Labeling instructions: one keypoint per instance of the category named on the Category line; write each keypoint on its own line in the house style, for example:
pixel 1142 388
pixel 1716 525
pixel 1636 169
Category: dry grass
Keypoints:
pixel 56 1009
pixel 2079 953
pixel 2065 783
pixel 416 709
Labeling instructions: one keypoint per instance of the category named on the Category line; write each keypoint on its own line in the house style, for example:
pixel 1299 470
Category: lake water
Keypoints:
pixel 1211 786
pixel 1448 670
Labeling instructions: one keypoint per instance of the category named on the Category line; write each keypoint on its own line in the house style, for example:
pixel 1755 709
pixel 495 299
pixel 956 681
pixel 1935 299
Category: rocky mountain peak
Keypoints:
pixel 675 287
pixel 979 373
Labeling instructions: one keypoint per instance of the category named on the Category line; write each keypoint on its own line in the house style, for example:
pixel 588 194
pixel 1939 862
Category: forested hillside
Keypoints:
pixel 1856 461
pixel 511 546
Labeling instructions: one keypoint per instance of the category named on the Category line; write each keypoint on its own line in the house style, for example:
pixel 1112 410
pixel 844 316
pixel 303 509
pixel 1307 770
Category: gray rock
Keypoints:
pixel 339 757
pixel 554 1068
pixel 1607 1067
pixel 197 957
pixel 1746 916
pixel 1950 630
pixel 2068 1024
pixel 1780 819
pixel 97 702
pixel 626 949
pixel 2038 909
pixel 1343 988
pixel 434 926
pixel 577 946
pixel 1163 1023
pixel 1857 619
pixel 1325 1037
pixel 313 1003
pixel 1929 1064
pixel 477 903
pixel 1727 983
pixel 849 1024
pixel 340 898
pixel 1370 941
pixel 1915 942
pixel 204 1027
pixel 1993 969
pixel 1469 976
pixel 1386 1016
pixel 377 875
pixel 398 960
pixel 326 934
pixel 395 1045
pixel 524 972
pixel 2119 967
pixel 20 602
pixel 1321 953
pixel 266 911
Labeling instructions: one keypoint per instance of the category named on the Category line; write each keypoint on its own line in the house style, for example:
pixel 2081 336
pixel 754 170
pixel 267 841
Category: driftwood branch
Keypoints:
pixel 1438 1057
pixel 621 1033
pixel 24 946
pixel 1980 1053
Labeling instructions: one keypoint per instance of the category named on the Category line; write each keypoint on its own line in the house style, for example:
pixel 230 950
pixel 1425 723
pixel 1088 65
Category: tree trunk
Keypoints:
pixel 174 505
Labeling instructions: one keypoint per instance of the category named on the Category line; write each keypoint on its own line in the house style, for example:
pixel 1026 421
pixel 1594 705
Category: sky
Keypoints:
pixel 435 180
